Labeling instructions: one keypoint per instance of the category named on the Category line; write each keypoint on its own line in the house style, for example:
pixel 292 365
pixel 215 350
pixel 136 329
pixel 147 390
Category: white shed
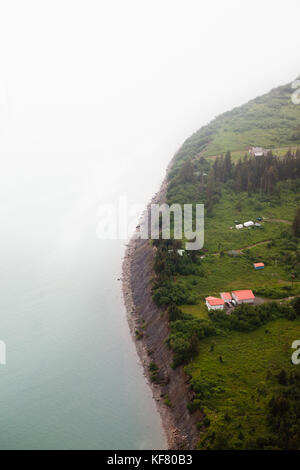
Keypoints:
pixel 248 224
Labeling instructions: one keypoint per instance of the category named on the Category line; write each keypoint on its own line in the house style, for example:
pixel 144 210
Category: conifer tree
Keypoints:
pixel 296 223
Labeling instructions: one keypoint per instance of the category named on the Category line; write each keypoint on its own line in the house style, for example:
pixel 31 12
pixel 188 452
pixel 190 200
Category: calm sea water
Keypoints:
pixel 72 379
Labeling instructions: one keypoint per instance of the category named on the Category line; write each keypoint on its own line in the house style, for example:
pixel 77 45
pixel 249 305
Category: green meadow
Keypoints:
pixel 243 384
pixel 223 270
pixel 269 121
pixel 220 232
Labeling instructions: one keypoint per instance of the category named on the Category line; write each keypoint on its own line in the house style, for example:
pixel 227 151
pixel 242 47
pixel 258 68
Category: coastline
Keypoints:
pixel 178 424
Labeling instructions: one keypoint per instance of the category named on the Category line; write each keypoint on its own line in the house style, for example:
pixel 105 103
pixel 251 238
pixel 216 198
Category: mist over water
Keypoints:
pixel 72 378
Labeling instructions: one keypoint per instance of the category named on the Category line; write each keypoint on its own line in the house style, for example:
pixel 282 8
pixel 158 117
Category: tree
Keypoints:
pixel 211 184
pixel 296 224
pixel 221 441
pixel 282 377
pixel 297 306
pixel 187 172
pixel 174 312
pixel 228 166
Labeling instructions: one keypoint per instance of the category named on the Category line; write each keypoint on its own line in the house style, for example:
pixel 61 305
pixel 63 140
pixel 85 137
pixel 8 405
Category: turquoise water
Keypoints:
pixel 72 379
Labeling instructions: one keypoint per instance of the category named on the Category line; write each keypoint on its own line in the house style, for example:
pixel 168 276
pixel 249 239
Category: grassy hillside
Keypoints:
pixel 270 121
pixel 234 359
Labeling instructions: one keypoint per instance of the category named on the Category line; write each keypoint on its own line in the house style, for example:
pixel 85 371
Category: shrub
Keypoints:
pixel 174 312
pixel 171 293
pixel 153 369
pixel 194 405
pixel 248 317
pixel 205 388
pixel 167 401
pixel 184 337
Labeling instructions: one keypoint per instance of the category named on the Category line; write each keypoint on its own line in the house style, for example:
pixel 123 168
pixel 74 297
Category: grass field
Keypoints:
pixel 227 273
pixel 245 381
pixel 222 274
pixel 240 208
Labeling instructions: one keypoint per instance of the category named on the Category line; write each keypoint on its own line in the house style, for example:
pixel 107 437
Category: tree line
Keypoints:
pixel 254 174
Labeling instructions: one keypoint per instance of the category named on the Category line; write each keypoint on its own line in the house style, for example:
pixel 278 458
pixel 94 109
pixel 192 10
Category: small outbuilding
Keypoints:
pixel 258 151
pixel 258 265
pixel 213 303
pixel 233 253
pixel 179 252
pixel 243 296
pixel 249 223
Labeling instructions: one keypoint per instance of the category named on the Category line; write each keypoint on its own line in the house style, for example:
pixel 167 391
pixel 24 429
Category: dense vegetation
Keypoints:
pixel 234 377
pixel 258 411
pixel 250 174
pixel 284 413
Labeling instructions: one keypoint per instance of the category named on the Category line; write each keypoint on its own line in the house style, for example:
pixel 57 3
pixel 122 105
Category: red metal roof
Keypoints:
pixel 244 294
pixel 257 265
pixel 226 296
pixel 214 301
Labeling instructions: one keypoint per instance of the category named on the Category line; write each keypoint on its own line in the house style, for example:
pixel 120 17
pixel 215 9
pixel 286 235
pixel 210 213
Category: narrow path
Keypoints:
pixel 253 246
pixel 288 222
pixel 240 250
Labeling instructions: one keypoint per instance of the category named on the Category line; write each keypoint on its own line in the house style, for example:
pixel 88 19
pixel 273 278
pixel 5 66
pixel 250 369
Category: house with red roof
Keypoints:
pixel 258 265
pixel 243 296
pixel 213 303
pixel 226 296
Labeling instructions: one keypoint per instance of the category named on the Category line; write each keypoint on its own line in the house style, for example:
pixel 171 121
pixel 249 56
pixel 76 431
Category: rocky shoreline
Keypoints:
pixel 171 393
